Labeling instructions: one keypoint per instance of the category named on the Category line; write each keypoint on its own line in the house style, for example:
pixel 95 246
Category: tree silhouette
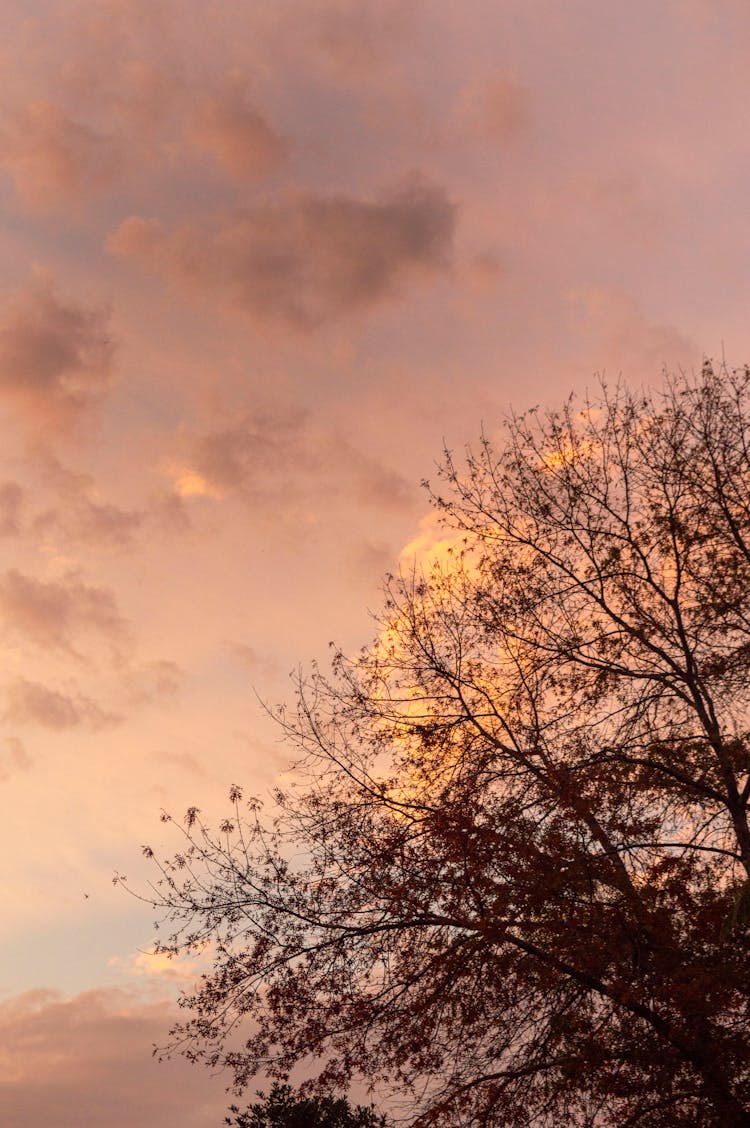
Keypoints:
pixel 283 1108
pixel 515 881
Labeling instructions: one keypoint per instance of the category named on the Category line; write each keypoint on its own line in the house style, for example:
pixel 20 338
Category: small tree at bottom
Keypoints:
pixel 283 1108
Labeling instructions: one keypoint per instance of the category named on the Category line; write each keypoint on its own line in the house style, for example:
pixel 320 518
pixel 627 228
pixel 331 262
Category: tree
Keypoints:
pixel 283 1108
pixel 515 881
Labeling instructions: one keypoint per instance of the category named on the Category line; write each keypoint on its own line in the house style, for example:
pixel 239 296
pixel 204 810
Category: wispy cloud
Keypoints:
pixel 152 682
pixel 13 757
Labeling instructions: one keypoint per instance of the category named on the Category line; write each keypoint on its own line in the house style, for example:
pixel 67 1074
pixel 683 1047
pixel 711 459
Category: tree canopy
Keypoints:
pixel 283 1108
pixel 514 881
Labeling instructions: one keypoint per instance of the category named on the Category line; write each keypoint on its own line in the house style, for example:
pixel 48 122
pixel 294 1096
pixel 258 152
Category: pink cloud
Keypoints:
pixel 53 159
pixel 50 614
pixel 152 682
pixel 79 515
pixel 13 757
pixel 11 505
pixel 90 522
pixel 270 455
pixel 627 340
pixel 226 126
pixel 31 703
pixel 349 43
pixel 56 357
pixel 184 762
pixel 491 109
pixel 87 1061
pixel 303 258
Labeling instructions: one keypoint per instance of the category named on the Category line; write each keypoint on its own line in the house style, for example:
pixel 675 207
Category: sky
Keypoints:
pixel 260 263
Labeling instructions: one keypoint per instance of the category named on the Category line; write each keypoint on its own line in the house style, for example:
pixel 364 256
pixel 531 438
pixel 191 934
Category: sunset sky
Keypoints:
pixel 260 260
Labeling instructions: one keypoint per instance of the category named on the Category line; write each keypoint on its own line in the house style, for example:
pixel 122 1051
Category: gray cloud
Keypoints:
pixel 304 258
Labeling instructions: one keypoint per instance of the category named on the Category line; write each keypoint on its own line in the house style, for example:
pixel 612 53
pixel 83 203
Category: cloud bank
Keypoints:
pixel 86 1061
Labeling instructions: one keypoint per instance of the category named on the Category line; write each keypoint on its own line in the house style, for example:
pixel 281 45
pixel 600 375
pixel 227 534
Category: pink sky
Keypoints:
pixel 259 260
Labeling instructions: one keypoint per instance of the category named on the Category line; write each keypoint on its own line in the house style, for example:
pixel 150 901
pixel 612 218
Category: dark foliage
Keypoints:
pixel 283 1108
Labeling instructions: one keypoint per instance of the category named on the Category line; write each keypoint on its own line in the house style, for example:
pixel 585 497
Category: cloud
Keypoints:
pixel 242 456
pixel 229 129
pixel 85 521
pixel 11 504
pixel 56 357
pixel 349 43
pixel 184 761
pixel 169 511
pixel 50 613
pixel 272 454
pixel 248 658
pixel 108 96
pixel 132 95
pixel 81 515
pixel 370 561
pixel 53 159
pixel 628 340
pixel 13 757
pixel 87 1061
pixel 152 682
pixel 303 258
pixel 622 201
pixel 246 655
pixel 30 703
pixel 144 115
pixel 491 109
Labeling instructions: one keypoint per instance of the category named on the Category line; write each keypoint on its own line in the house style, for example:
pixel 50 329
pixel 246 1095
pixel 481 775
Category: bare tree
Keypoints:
pixel 514 884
